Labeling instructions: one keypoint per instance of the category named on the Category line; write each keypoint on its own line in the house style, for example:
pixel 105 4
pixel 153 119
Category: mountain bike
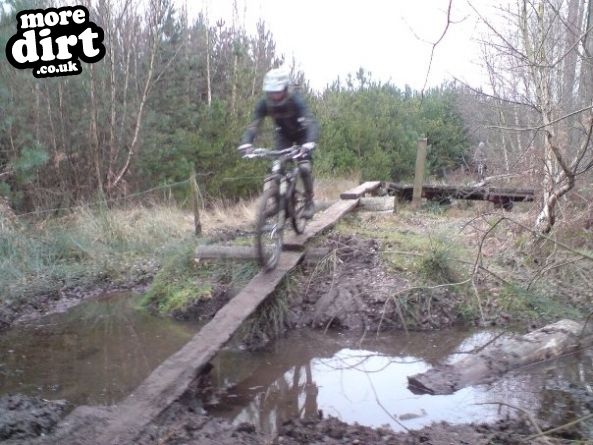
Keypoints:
pixel 283 199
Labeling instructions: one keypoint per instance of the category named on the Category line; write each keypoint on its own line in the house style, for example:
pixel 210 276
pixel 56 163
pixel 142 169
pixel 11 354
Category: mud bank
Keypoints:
pixel 190 428
pixel 352 289
pixel 23 418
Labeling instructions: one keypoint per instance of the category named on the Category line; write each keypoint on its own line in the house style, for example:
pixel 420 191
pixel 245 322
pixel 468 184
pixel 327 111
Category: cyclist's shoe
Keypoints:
pixel 309 209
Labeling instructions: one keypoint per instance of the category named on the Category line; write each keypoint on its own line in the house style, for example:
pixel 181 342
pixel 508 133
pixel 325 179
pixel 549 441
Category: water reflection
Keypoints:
pixel 96 353
pixel 309 373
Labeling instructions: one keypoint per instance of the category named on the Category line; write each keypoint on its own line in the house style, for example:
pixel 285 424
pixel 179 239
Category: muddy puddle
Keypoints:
pixel 98 352
pixel 312 374
pixel 95 354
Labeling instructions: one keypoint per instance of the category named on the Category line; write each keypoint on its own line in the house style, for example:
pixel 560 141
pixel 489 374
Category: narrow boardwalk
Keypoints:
pixel 321 222
pixel 504 196
pixel 121 423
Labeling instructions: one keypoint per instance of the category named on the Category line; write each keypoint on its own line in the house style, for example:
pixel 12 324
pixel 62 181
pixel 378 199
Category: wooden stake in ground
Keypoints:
pixel 419 176
pixel 195 202
pixel 503 355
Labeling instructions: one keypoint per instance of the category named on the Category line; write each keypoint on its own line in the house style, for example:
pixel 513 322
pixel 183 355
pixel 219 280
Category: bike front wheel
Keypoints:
pixel 268 230
pixel 297 202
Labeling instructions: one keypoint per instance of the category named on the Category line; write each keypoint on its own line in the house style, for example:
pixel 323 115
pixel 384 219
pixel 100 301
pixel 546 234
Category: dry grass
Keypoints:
pixel 329 189
pixel 221 215
pixel 225 215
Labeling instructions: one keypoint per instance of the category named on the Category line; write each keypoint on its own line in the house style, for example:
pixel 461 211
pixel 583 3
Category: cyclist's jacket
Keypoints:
pixel 292 118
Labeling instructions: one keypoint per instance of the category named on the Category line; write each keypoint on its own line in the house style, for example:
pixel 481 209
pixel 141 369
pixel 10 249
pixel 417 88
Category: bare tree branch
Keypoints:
pixel 544 125
pixel 434 45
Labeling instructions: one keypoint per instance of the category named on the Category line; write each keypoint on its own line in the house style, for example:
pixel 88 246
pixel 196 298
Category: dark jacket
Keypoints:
pixel 293 120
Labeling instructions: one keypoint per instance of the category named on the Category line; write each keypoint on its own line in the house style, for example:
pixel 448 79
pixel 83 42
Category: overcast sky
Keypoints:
pixel 390 38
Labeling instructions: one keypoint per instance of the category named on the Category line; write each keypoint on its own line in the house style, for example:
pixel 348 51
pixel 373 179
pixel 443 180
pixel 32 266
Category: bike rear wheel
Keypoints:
pixel 297 202
pixel 268 229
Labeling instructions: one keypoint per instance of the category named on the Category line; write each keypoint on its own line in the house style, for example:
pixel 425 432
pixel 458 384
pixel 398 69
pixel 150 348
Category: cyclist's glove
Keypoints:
pixel 245 148
pixel 308 147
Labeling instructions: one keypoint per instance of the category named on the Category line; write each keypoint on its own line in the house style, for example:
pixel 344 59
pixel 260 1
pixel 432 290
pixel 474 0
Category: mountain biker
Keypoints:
pixel 480 158
pixel 294 125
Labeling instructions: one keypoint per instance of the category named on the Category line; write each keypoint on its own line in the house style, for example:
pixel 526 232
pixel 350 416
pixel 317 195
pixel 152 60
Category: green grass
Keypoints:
pixel 86 248
pixel 423 249
pixel 437 264
pixel 535 304
pixel 182 281
pixel 269 319
pixel 94 247
pixel 429 256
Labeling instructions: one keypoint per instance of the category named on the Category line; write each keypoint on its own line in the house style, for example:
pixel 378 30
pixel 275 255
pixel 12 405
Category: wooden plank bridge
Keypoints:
pixel 121 423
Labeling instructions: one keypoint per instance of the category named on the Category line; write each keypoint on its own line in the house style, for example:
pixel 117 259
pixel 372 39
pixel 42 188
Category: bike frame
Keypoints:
pixel 282 181
pixel 281 178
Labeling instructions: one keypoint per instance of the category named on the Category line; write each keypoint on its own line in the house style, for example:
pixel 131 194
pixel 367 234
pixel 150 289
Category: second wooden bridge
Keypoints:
pixel 504 197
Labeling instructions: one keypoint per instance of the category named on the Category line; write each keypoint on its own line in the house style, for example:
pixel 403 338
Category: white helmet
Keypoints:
pixel 276 80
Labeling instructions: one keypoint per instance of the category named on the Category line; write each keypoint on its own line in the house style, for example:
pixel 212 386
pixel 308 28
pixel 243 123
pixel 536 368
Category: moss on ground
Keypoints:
pixel 182 281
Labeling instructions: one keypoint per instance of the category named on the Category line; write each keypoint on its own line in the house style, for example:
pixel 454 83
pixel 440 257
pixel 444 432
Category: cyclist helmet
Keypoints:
pixel 276 86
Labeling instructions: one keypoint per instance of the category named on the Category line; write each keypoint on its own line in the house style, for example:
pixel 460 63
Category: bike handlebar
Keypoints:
pixel 291 152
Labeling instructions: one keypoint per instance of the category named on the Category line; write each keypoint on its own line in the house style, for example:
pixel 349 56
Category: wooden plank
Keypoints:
pixel 174 376
pixel 218 252
pixel 359 191
pixel 319 223
pixel 121 423
pixel 501 356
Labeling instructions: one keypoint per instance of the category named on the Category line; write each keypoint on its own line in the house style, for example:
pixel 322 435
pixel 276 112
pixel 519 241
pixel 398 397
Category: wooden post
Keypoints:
pixel 195 202
pixel 419 176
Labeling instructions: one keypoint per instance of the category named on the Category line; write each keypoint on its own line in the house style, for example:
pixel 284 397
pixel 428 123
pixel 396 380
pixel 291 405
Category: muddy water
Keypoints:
pixel 96 353
pixel 100 351
pixel 364 381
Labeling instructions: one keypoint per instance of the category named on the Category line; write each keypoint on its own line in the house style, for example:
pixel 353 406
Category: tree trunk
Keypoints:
pixel 158 13
pixel 502 356
pixel 94 132
pixel 208 74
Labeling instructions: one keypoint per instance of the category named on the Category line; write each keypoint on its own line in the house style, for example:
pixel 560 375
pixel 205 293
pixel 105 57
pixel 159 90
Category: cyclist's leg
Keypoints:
pixel 306 170
pixel 280 142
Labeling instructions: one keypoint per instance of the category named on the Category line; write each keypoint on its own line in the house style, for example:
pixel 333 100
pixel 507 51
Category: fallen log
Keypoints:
pixel 217 252
pixel 501 356
pixel 377 204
